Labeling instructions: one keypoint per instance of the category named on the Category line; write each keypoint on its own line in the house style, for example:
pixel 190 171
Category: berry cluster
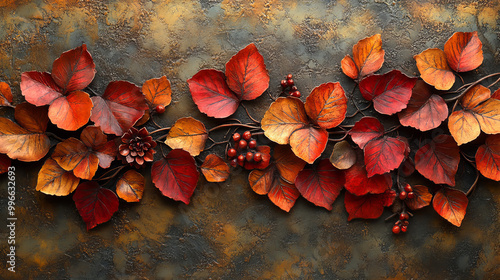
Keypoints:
pixel 406 193
pixel 245 145
pixel 290 84
pixel 401 225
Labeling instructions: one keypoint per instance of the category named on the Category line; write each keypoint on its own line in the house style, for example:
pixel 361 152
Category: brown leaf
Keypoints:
pixel 73 155
pixel 343 155
pixel 327 105
pixel 5 94
pixel 287 163
pixel 54 180
pixel 130 186
pixel 215 169
pixel 22 144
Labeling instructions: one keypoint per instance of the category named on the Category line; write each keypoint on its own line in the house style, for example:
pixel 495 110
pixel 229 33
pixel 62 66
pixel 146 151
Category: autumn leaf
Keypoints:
pixel 157 92
pixel 425 110
pixel 422 197
pixel 488 158
pixel 246 73
pixel 261 181
pixel 451 204
pixel 284 116
pixel 370 206
pixel 438 160
pixel 327 105
pixel 309 143
pixel 188 134
pixel 105 150
pixel 389 92
pixel 5 163
pixel 39 88
pixel 74 69
pixel 287 163
pixel 365 130
pixel 434 69
pixel 130 186
pixel 54 180
pixel 368 57
pixel 73 155
pixel 117 110
pixel 31 117
pixel 95 204
pixel 22 144
pixel 383 155
pixel 5 95
pixel 496 94
pixel 71 112
pixel 321 185
pixel 175 175
pixel 358 183
pixel 464 51
pixel 343 155
pixel 215 169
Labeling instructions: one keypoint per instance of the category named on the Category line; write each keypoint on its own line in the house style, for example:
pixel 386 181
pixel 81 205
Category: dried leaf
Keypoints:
pixel 287 163
pixel 327 105
pixel 283 117
pixel 73 155
pixel 438 161
pixel 309 143
pixel 451 204
pixel 54 180
pixel 283 194
pixel 434 69
pixel 22 144
pixel 157 92
pixel 261 180
pixel 5 163
pixel 215 169
pixel 95 204
pixel 130 186
pixel 343 155
pixel 31 117
pixel 488 158
pixel 368 57
pixel 105 150
pixel 464 51
pixel 188 134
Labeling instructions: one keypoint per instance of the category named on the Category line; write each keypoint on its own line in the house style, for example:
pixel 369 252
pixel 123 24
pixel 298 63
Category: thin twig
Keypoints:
pixel 470 85
pixel 498 80
pixel 233 125
pixel 355 104
pixel 50 134
pixel 92 91
pixel 461 79
pixel 393 129
pixel 151 118
pixel 338 140
pixel 160 130
pixel 474 184
pixel 117 170
pixel 248 114
pixel 391 216
pixel 216 143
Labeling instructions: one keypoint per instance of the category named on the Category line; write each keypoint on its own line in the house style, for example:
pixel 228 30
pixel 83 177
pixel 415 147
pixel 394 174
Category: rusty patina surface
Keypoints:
pixel 228 231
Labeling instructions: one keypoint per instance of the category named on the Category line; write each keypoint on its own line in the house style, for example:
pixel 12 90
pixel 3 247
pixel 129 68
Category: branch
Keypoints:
pixel 233 125
pixel 248 114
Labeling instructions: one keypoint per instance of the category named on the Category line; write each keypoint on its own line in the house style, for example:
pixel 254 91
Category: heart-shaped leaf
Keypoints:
pixel 343 155
pixel 261 181
pixel 383 155
pixel 31 117
pixel 5 94
pixel 39 88
pixel 71 112
pixel 434 69
pixel 175 175
pixel 284 116
pixel 74 69
pixel 366 129
pixel 54 180
pixel 488 158
pixel 188 134
pixel 157 92
pixel 425 110
pixel 283 194
pixel 119 108
pixel 321 185
pixel 246 73
pixel 358 183
pixel 22 144
pixel 309 143
pixel 95 204
pixel 370 206
pixel 389 92
pixel 287 163
pixel 464 51
pixel 422 197
pixel 451 204
pixel 72 154
pixel 215 169
pixel 5 163
pixel 368 57
pixel 438 160
pixel 327 105
pixel 130 186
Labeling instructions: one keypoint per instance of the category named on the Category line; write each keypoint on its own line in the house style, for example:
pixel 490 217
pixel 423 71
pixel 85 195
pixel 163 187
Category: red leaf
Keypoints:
pixel 266 157
pixel 309 143
pixel 5 163
pixel 383 155
pixel 96 205
pixel 176 175
pixel 488 158
pixel 34 119
pixel 74 69
pixel 370 206
pixel 425 110
pixel 212 95
pixel 327 105
pixel 496 94
pixel 71 112
pixel 463 51
pixel 283 194
pixel 451 204
pixel 39 88
pixel 422 197
pixel 5 94
pixel 390 92
pixel 438 160
pixel 247 74
pixel 365 130
pixel 358 183
pixel 320 185
pixel 119 108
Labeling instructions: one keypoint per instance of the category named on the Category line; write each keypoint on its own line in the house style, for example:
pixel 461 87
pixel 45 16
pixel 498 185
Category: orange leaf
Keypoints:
pixel 284 116
pixel 463 126
pixel 464 51
pixel 105 150
pixel 422 197
pixel 130 186
pixel 488 158
pixel 157 92
pixel 343 155
pixel 54 180
pixel 327 105
pixel 188 134
pixel 262 180
pixel 434 69
pixel 287 163
pixel 71 112
pixel 283 194
pixel 368 57
pixel 451 204
pixel 31 117
pixel 22 144
pixel 215 169
pixel 308 143
pixel 5 94
pixel 72 154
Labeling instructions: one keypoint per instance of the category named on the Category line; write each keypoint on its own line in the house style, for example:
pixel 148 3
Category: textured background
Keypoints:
pixel 228 231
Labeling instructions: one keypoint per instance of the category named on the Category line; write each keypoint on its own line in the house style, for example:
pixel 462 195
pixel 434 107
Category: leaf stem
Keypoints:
pixel 393 129
pixel 469 86
pixel 53 135
pixel 248 114
pixel 116 171
pixel 233 125
pixel 160 130
pixel 471 189
pixel 338 140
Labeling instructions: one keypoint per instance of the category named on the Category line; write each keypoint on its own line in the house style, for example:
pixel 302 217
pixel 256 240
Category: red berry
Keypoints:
pixel 242 144
pixel 396 229
pixel 405 223
pixel 231 153
pixel 289 76
pixel 404 228
pixel 403 195
pixel 249 156
pixel 247 135
pixel 160 109
pixel 257 157
pixel 234 162
pixel 236 137
pixel 284 84
pixel 294 88
pixel 411 195
pixel 290 82
pixel 404 216
pixel 295 94
pixel 408 188
pixel 252 144
pixel 241 160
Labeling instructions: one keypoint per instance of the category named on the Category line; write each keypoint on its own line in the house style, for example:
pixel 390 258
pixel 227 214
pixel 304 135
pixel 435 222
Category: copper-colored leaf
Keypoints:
pixel 283 194
pixel 464 51
pixel 327 105
pixel 368 57
pixel 157 92
pixel 215 169
pixel 438 161
pixel 451 204
pixel 488 158
pixel 434 69
pixel 74 69
pixel 496 94
pixel 343 155
pixel 365 130
pixel 22 144
pixel 370 206
pixel 262 180
pixel 72 154
pixel 422 197
pixel 105 150
pixel 119 108
pixel 39 88
pixel 95 204
pixel 175 175
pixel 383 155
pixel 54 180
pixel 188 134
pixel 463 126
pixel 389 92
pixel 264 163
pixel 71 112
pixel 358 183
pixel 425 110
pixel 31 117
pixel 130 186
pixel 5 163
pixel 246 73
pixel 309 143
pixel 287 163
pixel 283 117
pixel 5 94
pixel 321 185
